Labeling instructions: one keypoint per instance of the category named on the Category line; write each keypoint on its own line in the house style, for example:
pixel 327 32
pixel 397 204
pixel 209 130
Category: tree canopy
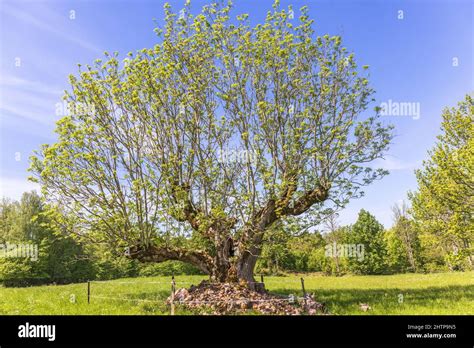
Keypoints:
pixel 444 202
pixel 213 134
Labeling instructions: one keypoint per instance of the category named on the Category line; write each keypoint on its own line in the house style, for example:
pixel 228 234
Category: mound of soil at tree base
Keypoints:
pixel 233 298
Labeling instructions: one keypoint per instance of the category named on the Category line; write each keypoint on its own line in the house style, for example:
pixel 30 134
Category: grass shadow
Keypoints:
pixel 384 301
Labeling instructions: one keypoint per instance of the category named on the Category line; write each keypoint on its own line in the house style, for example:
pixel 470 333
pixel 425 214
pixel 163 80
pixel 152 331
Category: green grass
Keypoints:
pixel 441 293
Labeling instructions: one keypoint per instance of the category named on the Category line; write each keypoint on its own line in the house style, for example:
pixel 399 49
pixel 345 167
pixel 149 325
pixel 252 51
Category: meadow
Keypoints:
pixel 439 293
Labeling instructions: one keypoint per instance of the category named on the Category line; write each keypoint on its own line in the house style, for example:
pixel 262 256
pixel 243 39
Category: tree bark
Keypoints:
pixel 245 270
pixel 232 260
pixel 197 258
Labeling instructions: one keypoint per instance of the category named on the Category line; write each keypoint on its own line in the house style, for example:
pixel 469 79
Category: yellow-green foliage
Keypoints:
pixel 444 202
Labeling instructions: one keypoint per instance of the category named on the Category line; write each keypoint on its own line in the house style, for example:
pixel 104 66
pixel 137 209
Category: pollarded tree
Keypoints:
pixel 218 131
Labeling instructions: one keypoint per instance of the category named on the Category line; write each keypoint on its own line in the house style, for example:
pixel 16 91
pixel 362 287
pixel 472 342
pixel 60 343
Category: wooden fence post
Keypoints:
pixel 261 278
pixel 173 288
pixel 88 292
pixel 304 294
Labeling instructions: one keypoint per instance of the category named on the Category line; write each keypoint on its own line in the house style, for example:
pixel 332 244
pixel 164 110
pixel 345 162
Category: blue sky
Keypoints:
pixel 422 55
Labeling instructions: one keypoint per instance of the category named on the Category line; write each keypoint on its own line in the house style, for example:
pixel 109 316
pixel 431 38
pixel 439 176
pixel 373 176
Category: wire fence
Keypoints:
pixel 267 281
pixel 128 282
pixel 172 301
pixel 239 301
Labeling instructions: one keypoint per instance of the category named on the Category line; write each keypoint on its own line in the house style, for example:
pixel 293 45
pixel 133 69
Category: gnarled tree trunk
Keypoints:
pixel 223 267
pixel 232 260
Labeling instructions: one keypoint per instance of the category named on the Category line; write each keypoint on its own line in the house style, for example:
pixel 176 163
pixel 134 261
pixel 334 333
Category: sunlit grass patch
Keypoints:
pixel 442 293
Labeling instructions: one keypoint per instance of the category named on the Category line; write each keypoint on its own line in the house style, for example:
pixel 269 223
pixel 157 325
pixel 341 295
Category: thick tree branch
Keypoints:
pixel 319 194
pixel 197 258
pixel 180 194
pixel 252 236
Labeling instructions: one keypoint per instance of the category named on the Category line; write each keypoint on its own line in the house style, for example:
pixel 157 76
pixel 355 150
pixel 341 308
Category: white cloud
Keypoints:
pixel 22 107
pixel 393 164
pixel 8 81
pixel 14 187
pixel 43 25
pixel 24 100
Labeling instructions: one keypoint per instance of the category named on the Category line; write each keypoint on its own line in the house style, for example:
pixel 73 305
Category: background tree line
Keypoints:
pixel 61 258
pixel 403 248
